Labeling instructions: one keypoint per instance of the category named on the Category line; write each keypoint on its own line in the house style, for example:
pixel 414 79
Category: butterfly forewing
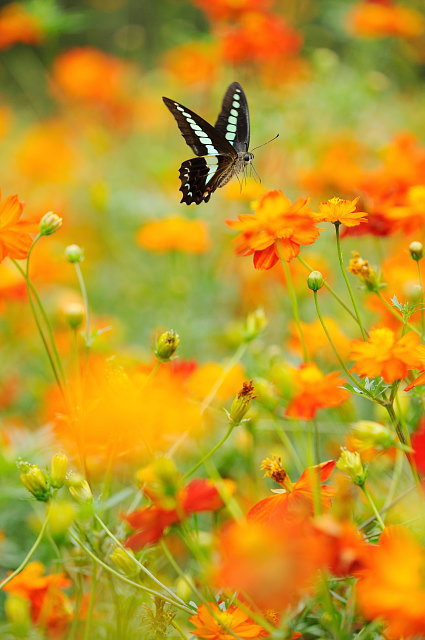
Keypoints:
pixel 233 120
pixel 201 136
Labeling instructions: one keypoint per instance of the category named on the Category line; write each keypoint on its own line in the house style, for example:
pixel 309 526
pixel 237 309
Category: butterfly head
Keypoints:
pixel 248 157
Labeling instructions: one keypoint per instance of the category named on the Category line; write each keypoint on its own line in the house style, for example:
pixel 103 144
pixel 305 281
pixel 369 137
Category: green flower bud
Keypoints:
pixel 416 250
pixel 58 469
pixel 74 314
pixel 18 614
pixel 125 561
pixel 35 481
pixel 74 253
pixel 351 463
pixel 49 224
pixel 373 434
pixel 79 488
pixel 315 281
pixel 254 325
pixel 166 345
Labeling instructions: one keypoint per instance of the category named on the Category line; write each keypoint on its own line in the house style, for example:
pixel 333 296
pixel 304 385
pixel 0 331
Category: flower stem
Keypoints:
pixel 347 282
pixel 294 306
pixel 85 302
pixel 209 453
pixel 28 556
pixel 373 505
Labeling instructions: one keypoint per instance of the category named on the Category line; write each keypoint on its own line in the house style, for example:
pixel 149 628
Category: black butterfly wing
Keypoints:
pixel 200 177
pixel 233 120
pixel 201 136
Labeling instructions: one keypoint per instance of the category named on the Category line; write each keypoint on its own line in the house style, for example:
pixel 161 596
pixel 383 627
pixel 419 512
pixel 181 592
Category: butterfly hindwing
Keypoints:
pixel 200 177
pixel 202 137
pixel 233 120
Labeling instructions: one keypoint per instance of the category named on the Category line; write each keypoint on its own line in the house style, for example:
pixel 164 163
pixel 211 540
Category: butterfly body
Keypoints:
pixel 222 149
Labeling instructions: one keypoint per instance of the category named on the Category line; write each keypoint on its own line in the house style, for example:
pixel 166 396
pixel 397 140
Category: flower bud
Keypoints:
pixel 49 224
pixel 416 250
pixel 74 314
pixel 125 561
pixel 361 268
pixel 79 488
pixel 241 403
pixel 161 481
pixel 35 481
pixel 373 434
pixel 58 469
pixel 74 253
pixel 315 281
pixel 62 514
pixel 256 321
pixel 351 463
pixel 18 614
pixel 166 345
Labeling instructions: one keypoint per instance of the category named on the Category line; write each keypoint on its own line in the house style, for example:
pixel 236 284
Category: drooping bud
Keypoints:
pixel 166 345
pixel 256 321
pixel 74 253
pixel 74 314
pixel 125 561
pixel 49 224
pixel 416 250
pixel 79 488
pixel 351 463
pixel 35 481
pixel 315 281
pixel 360 267
pixel 58 470
pixel 373 434
pixel 241 403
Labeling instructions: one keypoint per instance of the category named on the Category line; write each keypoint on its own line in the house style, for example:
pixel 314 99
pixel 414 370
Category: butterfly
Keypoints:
pixel 222 149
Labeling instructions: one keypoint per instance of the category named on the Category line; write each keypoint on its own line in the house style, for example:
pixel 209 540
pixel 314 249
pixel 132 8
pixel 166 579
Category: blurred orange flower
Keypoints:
pixel 12 284
pixel 214 627
pixel 15 238
pixel 276 230
pixel 377 18
pixel 315 390
pixel 179 63
pixel 259 37
pixel 295 499
pixel 18 25
pixel 50 607
pixel 204 378
pixel 342 211
pixel 313 336
pixel 385 355
pixel 392 585
pixel 346 546
pixel 409 217
pixel 175 234
pixel 273 567
pixel 230 9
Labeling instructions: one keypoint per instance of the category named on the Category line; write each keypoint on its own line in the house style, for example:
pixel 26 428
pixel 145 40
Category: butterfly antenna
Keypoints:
pixel 264 143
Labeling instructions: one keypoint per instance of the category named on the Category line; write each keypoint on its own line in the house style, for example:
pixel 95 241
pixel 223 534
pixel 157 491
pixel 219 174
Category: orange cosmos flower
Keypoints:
pixel 50 607
pixel 346 547
pixel 392 585
pixel 315 390
pixel 384 355
pixel 294 500
pixel 175 234
pixel 230 9
pixel 18 25
pixel 178 61
pixel 213 623
pixel 409 217
pixel 272 566
pixel 276 230
pixel 342 211
pixel 15 238
pixel 378 18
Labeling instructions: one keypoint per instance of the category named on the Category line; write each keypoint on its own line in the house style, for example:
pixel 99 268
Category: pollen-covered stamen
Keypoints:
pixel 272 468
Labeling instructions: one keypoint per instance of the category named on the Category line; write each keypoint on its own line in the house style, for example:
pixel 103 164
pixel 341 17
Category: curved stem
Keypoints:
pixel 28 556
pixel 347 282
pixel 294 307
pixel 210 453
pixel 373 505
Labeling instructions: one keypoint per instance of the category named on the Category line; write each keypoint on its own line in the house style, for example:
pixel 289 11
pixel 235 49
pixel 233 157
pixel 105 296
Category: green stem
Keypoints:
pixel 331 290
pixel 294 307
pixel 87 627
pixel 85 302
pixel 123 578
pixel 405 441
pixel 237 356
pixel 373 505
pixel 28 556
pixel 210 453
pixel 395 313
pixel 347 282
pixel 179 630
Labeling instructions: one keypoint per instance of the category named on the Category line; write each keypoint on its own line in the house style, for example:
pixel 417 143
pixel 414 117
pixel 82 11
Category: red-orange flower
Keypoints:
pixel 230 9
pixel 315 390
pixel 197 496
pixel 276 230
pixel 212 623
pixel 342 211
pixel 50 607
pixel 295 500
pixel 15 238
pixel 18 25
pixel 392 585
pixel 377 18
pixel 385 355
